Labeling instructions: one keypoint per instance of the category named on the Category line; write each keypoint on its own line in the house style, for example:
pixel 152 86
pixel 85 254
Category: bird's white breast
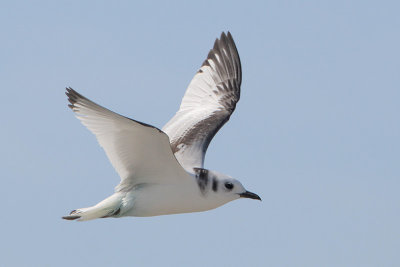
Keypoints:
pixel 162 199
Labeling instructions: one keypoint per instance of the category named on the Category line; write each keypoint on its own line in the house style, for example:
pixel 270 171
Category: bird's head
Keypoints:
pixel 227 188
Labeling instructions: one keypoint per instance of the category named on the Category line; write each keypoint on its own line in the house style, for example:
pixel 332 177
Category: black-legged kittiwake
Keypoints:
pixel 162 170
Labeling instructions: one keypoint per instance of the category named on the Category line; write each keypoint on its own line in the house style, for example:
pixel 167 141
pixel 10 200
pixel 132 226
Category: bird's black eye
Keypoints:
pixel 229 185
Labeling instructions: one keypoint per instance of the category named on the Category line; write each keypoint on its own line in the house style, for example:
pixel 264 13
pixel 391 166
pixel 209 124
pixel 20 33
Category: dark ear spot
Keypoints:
pixel 215 185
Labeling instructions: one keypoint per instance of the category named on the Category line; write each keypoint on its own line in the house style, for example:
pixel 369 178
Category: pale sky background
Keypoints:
pixel 315 134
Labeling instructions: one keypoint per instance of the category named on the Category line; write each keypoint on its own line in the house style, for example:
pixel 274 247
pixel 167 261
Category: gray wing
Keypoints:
pixel 140 153
pixel 207 104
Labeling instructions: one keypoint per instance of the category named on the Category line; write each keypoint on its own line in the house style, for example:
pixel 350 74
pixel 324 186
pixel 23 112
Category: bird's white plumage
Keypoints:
pixel 207 104
pixel 139 152
pixel 159 170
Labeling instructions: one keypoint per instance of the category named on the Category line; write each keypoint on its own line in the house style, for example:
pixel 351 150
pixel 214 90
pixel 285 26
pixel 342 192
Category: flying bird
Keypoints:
pixel 162 171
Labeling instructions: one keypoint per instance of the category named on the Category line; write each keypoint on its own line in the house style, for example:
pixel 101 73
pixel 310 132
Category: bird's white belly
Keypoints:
pixel 162 199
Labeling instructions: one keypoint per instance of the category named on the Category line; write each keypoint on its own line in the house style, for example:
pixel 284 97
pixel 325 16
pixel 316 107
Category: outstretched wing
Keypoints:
pixel 140 153
pixel 207 104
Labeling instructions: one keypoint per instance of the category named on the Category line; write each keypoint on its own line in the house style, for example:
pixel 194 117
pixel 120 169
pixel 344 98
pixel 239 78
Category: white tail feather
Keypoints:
pixel 109 207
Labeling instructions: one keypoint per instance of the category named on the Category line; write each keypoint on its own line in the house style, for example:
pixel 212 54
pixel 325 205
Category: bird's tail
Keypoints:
pixel 109 207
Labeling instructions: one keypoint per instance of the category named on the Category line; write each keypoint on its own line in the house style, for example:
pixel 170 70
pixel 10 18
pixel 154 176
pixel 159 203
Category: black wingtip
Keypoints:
pixel 70 93
pixel 70 218
pixel 73 96
pixel 223 35
pixel 226 35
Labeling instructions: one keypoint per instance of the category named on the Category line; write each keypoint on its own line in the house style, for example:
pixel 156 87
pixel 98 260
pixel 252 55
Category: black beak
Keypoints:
pixel 248 194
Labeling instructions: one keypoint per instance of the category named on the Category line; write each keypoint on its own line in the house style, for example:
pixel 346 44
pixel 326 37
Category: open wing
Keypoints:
pixel 140 153
pixel 207 104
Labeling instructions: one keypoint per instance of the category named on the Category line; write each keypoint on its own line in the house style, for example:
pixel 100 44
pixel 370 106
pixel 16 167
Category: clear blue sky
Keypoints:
pixel 315 134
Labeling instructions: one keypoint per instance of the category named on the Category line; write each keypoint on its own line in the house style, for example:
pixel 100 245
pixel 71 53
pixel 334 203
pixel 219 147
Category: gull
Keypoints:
pixel 162 171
